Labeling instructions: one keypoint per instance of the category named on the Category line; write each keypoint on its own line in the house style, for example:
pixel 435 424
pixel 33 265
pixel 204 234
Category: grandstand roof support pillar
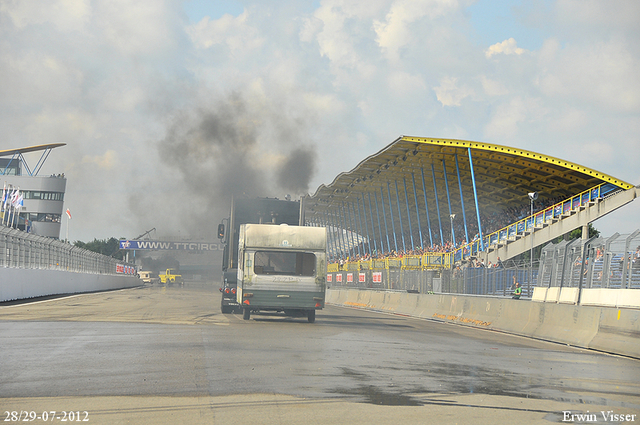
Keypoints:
pixel 464 214
pixel 365 228
pixel 323 223
pixel 373 227
pixel 330 238
pixel 375 197
pixel 345 234
pixel 406 198
pixel 415 198
pixel 354 240
pixel 337 241
pixel 404 246
pixel 393 225
pixel 435 192
pixel 339 234
pixel 426 206
pixel 475 197
pixel 364 251
pixel 446 186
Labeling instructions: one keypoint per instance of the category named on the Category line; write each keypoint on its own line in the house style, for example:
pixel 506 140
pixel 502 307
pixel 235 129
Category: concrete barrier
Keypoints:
pixel 539 294
pixel 602 328
pixel 16 284
pixel 553 294
pixel 568 296
pixel 618 331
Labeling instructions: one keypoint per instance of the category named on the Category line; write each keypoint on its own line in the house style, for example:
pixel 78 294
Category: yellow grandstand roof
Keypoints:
pixel 503 177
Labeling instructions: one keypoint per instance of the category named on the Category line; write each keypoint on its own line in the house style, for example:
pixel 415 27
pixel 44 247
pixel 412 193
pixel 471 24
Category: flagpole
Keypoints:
pixel 68 218
pixel 4 206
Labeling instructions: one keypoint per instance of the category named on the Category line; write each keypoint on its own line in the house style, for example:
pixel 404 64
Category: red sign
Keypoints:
pixel 349 277
pixel 362 278
pixel 329 277
pixel 339 277
pixel 377 277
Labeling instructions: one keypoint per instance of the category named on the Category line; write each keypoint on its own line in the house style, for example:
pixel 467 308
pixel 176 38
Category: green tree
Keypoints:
pixel 577 233
pixel 109 247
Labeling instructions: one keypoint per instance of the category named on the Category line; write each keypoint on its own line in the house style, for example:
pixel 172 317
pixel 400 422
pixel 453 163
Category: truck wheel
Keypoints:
pixel 246 314
pixel 311 316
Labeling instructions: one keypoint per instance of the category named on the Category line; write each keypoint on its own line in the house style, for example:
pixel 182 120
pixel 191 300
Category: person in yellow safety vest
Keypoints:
pixel 518 290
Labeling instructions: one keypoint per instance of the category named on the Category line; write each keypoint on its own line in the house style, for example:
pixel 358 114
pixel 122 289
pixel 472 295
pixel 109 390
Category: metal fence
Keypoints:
pixel 28 251
pixel 470 281
pixel 612 262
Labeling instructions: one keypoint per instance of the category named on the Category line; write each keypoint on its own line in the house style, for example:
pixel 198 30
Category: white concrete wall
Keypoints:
pixel 18 283
pixel 609 329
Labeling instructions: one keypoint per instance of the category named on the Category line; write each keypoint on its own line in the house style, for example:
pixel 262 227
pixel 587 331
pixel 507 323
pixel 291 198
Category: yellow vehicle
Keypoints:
pixel 171 276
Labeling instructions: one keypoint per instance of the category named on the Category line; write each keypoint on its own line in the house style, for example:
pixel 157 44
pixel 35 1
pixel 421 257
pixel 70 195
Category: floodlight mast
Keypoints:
pixel 532 196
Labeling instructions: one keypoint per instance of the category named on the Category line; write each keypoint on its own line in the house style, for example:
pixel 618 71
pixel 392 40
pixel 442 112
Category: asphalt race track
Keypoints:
pixel 159 355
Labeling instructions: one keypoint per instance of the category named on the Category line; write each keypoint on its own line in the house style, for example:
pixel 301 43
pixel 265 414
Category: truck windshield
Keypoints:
pixel 284 263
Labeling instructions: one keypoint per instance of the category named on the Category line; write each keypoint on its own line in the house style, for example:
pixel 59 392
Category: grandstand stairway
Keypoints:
pixel 552 229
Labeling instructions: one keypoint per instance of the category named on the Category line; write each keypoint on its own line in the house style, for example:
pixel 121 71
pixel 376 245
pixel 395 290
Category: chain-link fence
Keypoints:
pixel 467 280
pixel 26 250
pixel 612 262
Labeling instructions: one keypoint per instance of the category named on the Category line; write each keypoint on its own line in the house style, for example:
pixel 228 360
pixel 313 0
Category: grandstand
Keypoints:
pixel 422 203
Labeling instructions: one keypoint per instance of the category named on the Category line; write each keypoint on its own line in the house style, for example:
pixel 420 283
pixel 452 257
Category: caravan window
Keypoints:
pixel 284 263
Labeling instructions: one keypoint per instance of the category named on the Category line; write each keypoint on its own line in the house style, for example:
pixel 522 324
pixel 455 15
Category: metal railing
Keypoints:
pixel 28 251
pixel 526 225
pixel 468 280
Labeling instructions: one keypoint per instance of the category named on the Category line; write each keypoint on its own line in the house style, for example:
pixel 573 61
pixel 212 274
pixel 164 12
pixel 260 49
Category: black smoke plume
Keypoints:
pixel 232 148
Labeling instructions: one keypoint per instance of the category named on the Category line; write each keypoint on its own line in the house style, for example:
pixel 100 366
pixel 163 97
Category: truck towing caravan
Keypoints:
pixel 248 210
pixel 281 268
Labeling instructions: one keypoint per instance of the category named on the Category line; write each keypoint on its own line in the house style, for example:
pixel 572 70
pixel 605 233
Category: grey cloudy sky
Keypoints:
pixel 167 107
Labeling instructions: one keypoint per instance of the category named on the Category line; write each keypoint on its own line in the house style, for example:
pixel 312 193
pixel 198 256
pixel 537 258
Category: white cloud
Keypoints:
pixel 405 84
pixel 448 92
pixel 66 15
pixel 493 87
pixel 146 28
pixel 506 119
pixel 507 47
pixel 395 31
pixel 234 32
pixel 604 73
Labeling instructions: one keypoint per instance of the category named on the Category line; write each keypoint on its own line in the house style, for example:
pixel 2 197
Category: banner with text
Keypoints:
pixel 170 246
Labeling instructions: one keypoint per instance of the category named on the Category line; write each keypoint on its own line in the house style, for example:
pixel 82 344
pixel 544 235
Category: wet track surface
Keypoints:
pixel 173 341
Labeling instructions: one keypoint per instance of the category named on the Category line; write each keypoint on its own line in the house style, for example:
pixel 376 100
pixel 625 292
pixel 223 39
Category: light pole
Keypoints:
pixel 532 196
pixel 453 240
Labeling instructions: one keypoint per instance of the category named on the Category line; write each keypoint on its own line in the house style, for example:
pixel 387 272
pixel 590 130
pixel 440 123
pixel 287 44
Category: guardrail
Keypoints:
pixel 28 251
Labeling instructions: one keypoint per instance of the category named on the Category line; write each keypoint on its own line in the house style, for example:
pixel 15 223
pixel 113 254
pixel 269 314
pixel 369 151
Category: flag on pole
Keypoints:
pixel 15 200
pixel 20 201
pixel 68 213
